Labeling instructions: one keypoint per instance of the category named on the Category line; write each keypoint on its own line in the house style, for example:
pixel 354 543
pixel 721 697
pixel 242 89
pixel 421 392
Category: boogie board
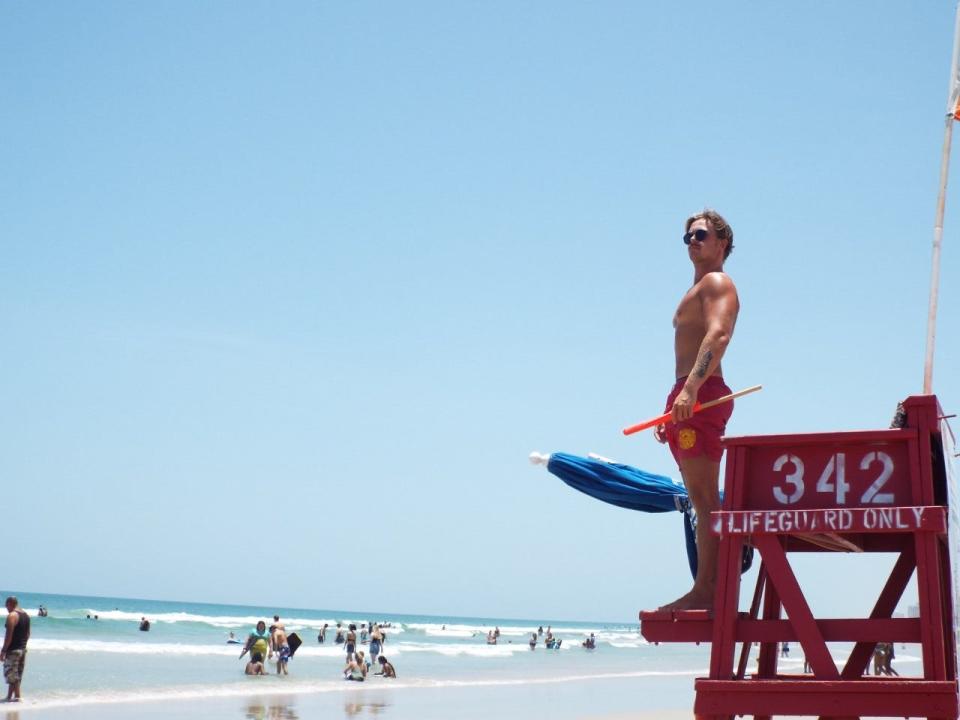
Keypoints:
pixel 294 641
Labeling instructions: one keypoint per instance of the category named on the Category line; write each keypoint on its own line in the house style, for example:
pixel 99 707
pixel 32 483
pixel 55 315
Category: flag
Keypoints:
pixel 953 93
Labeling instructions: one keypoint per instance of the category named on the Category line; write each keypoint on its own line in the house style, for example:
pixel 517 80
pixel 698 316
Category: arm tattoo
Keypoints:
pixel 705 358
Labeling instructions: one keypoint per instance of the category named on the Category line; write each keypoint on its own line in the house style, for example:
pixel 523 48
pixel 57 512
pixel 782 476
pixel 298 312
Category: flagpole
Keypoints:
pixel 935 269
pixel 952 99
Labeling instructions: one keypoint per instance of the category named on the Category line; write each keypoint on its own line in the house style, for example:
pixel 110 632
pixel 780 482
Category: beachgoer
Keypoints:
pixel 591 642
pixel 785 650
pixel 549 637
pixel 41 611
pixel 533 641
pixel 376 644
pixel 540 630
pixel 363 633
pixel 144 624
pixel 322 635
pixel 355 670
pixel 232 639
pixel 279 645
pixel 255 666
pixel 496 632
pixel 879 658
pixel 257 641
pixel 703 325
pixel 491 638
pixel 386 668
pixel 339 636
pixel 14 652
pixel 351 641
pixel 889 655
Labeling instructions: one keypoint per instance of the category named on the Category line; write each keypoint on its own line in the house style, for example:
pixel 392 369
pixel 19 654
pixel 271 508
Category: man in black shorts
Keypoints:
pixel 14 653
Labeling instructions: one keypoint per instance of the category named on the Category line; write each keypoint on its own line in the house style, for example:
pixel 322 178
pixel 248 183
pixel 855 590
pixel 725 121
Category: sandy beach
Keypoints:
pixel 607 699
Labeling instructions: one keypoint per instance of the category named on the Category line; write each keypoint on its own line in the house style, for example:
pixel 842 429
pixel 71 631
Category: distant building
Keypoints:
pixel 913 611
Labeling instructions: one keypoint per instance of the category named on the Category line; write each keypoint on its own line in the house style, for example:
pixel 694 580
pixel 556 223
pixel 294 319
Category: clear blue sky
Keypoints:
pixel 289 291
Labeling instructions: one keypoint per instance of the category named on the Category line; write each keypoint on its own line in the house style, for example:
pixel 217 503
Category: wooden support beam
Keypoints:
pixel 783 579
pixel 859 659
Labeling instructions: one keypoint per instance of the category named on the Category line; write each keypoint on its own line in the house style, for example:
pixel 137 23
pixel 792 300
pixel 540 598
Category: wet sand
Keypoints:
pixel 604 699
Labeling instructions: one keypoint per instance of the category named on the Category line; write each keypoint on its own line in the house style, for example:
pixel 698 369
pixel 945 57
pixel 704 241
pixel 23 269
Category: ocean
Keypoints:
pixel 104 665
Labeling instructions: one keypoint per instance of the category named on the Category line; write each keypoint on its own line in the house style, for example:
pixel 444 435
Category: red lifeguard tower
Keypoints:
pixel 888 491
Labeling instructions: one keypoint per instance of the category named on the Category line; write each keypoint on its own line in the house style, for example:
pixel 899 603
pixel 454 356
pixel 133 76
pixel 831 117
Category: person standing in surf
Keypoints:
pixel 14 652
pixel 351 641
pixel 258 641
pixel 703 325
pixel 376 644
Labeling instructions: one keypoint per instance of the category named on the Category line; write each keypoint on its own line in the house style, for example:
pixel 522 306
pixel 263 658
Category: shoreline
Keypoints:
pixel 610 696
pixel 287 687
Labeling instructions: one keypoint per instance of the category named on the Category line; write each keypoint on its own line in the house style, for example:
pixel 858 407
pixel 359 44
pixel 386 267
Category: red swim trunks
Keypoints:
pixel 700 435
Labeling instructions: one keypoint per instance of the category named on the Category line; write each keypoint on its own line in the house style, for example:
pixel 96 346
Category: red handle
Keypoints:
pixel 655 421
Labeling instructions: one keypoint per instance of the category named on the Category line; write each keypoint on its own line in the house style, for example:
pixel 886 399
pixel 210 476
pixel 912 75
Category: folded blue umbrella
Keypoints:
pixel 631 488
pixel 621 485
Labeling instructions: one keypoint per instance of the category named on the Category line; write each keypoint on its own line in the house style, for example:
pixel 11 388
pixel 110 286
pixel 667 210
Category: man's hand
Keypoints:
pixel 660 433
pixel 683 405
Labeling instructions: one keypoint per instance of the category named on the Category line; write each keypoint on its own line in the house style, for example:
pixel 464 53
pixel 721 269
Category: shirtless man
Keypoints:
pixel 704 324
pixel 280 646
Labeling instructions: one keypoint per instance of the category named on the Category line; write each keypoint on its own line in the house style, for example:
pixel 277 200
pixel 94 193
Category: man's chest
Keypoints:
pixel 688 311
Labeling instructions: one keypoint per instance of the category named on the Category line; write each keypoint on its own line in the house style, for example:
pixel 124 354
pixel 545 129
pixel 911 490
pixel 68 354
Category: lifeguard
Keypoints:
pixel 704 324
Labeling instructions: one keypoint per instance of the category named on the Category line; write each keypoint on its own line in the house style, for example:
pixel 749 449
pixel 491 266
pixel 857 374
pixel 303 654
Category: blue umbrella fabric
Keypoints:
pixel 631 488
pixel 621 485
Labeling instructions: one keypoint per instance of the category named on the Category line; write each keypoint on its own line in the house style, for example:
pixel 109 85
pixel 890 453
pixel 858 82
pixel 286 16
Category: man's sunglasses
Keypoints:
pixel 699 235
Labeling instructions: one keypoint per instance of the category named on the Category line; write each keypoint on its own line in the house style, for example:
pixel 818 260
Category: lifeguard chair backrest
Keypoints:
pixel 872 469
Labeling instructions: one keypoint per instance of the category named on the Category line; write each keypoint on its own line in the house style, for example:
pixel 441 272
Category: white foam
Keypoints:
pixel 452 633
pixel 41 645
pixel 461 630
pixel 451 649
pixel 229 621
pixel 299 624
pixel 454 649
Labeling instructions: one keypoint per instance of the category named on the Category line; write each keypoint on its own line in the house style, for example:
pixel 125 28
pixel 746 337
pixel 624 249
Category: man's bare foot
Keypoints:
pixel 693 600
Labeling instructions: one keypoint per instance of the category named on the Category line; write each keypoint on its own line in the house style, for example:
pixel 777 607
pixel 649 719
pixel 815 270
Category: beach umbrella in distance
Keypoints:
pixel 631 488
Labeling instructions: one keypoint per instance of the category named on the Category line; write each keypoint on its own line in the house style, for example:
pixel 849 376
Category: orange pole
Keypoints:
pixel 696 408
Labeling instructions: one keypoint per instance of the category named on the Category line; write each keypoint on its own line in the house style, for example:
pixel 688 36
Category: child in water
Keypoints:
pixel 386 668
pixel 255 666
